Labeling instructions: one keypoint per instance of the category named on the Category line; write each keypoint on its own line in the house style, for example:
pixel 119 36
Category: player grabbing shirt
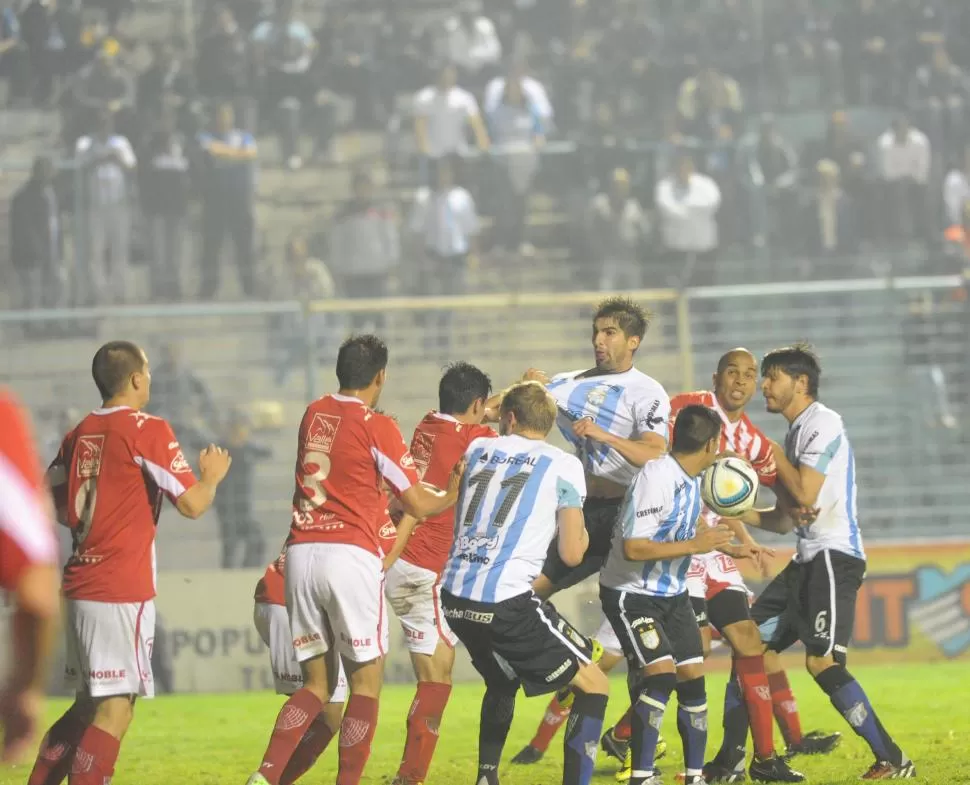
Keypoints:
pixel 109 479
pixel 413 580
pixel 615 417
pixel 643 588
pixel 28 553
pixel 273 627
pixel 517 493
pixel 813 598
pixel 334 569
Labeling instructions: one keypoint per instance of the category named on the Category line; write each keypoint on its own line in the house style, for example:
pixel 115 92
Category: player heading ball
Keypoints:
pixel 518 492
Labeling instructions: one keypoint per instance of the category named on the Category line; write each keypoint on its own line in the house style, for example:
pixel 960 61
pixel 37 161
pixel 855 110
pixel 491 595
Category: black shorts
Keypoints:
pixel 699 606
pixel 813 602
pixel 519 640
pixel 653 628
pixel 600 515
pixel 727 607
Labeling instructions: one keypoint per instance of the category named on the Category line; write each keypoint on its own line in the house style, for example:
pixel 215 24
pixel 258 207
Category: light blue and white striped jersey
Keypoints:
pixel 505 517
pixel 663 504
pixel 817 439
pixel 626 404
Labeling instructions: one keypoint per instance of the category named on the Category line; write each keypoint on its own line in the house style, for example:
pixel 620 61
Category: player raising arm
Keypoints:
pixel 334 569
pixel 813 599
pixel 643 588
pixel 414 580
pixel 28 554
pixel 108 481
pixel 517 493
pixel 615 417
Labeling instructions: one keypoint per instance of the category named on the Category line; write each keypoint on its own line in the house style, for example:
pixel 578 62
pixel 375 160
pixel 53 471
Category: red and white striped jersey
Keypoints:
pixel 26 530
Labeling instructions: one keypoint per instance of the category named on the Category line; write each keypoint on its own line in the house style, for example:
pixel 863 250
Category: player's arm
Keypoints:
pixel 571 524
pixel 705 540
pixel 650 416
pixel 784 517
pixel 214 463
pixel 405 528
pixel 422 500
pixel 803 482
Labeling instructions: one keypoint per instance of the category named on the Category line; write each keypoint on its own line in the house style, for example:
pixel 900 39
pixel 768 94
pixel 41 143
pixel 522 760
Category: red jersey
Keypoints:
pixel 438 444
pixel 271 587
pixel 26 530
pixel 743 437
pixel 346 451
pixel 109 479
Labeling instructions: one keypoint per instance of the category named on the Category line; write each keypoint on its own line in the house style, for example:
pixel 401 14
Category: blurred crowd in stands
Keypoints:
pixel 612 143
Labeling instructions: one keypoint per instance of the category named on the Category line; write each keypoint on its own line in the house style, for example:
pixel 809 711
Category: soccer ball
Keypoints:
pixel 729 486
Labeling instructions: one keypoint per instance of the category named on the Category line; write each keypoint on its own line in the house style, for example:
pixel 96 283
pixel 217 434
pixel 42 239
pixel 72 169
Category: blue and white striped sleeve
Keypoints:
pixel 570 484
pixel 823 437
pixel 644 508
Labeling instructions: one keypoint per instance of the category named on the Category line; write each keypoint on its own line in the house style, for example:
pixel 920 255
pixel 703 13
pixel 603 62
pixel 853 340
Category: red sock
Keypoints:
pixel 554 717
pixel 356 735
pixel 423 721
pixel 94 760
pixel 292 723
pixel 757 697
pixel 785 707
pixel 623 730
pixel 311 747
pixel 57 750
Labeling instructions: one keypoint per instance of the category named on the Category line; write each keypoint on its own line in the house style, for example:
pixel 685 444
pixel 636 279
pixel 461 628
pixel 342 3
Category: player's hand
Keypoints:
pixel 214 463
pixel 758 554
pixel 585 428
pixel 454 480
pixel 535 375
pixel 710 538
pixel 19 714
pixel 804 516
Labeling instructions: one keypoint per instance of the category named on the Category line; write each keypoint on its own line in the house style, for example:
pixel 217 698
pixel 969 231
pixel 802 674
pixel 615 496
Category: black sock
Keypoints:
pixel 735 722
pixel 583 731
pixel 498 706
pixel 852 703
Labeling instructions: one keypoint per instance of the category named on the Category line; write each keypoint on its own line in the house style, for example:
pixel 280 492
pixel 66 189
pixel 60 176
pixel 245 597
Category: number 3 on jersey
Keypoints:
pixel 313 479
pixel 511 487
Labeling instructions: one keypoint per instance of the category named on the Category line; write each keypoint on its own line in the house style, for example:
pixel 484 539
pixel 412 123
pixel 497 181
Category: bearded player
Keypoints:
pixel 415 563
pixel 273 626
pixel 109 479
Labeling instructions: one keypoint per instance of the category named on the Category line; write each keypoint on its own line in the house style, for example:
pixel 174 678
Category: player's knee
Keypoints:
pixel 690 672
pixel 817 663
pixel 692 691
pixel 773 662
pixel 745 639
pixel 662 684
pixel 366 678
pixel 114 714
pixel 609 661
pixel 591 680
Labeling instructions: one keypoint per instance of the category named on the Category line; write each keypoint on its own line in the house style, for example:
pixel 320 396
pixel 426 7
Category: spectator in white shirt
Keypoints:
pixel 445 220
pixel 535 94
pixel 687 203
pixel 904 161
pixel 105 160
pixel 442 114
pixel 471 43
pixel 956 191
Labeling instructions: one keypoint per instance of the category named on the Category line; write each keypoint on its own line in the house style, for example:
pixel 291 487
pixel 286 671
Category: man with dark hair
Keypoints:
pixel 414 580
pixel 108 481
pixel 813 599
pixel 335 571
pixel 643 588
pixel 615 417
pixel 518 494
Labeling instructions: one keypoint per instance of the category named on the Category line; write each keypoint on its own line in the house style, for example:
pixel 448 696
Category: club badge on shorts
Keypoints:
pixel 649 636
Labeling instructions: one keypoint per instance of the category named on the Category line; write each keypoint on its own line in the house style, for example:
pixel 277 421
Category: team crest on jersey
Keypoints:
pixel 322 432
pixel 597 396
pixel 179 465
pixel 388 531
pixel 89 449
pixel 407 461
pixel 421 446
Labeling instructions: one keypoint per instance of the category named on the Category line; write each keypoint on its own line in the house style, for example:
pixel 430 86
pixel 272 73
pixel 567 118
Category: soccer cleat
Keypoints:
pixel 614 747
pixel 626 774
pixel 528 755
pixel 774 769
pixel 814 743
pixel 626 770
pixel 597 650
pixel 716 772
pixel 884 770
pixel 257 779
pixel 566 696
pixel 661 748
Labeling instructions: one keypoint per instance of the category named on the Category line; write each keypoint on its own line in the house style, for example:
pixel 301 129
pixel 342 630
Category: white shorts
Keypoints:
pixel 109 648
pixel 712 573
pixel 414 595
pixel 273 627
pixel 335 598
pixel 607 638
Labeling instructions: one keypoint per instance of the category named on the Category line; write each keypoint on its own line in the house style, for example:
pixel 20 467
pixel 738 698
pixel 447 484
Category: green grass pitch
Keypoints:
pixel 218 739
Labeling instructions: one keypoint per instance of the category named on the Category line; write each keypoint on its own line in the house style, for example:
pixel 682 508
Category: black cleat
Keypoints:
pixel 814 743
pixel 773 769
pixel 528 755
pixel 884 770
pixel 614 747
pixel 716 772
